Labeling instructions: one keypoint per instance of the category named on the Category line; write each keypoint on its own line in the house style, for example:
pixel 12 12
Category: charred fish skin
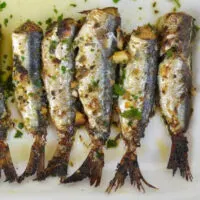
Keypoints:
pixel 136 104
pixel 58 75
pixel 6 163
pixel 29 92
pixel 175 84
pixel 96 42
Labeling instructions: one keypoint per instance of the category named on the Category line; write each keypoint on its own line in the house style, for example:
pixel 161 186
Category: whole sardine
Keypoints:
pixel 6 163
pixel 58 75
pixel 136 100
pixel 96 42
pixel 175 84
pixel 29 92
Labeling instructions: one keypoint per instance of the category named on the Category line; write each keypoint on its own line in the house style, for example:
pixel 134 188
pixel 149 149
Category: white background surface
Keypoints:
pixel 155 149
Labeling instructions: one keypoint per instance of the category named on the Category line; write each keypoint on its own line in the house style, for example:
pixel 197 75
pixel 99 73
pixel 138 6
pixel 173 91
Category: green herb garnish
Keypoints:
pixel 118 90
pixel 111 144
pixel 63 69
pixel 20 125
pixel 154 4
pixel 48 21
pixel 169 53
pixel 177 3
pixel 18 134
pixel 2 6
pixel 135 96
pixel 55 9
pixel 73 5
pixel 99 154
pixel 116 1
pixel 197 28
pixel 53 46
pixel 130 123
pixel 132 113
pixel 95 83
pixel 5 21
pixel 23 58
pixel 60 18
pixel 38 83
pixel 40 23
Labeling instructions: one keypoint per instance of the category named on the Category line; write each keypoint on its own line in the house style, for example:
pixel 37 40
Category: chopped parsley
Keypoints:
pixel 135 96
pixel 23 58
pixel 63 69
pixel 18 134
pixel 111 144
pixel 53 46
pixel 48 21
pixel 154 4
pixel 55 9
pixel 20 125
pixel 38 83
pixel 130 123
pixel 95 83
pixel 39 23
pixel 5 21
pixel 116 1
pixel 197 28
pixel 169 53
pixel 73 5
pixel 177 3
pixel 31 94
pixel 118 90
pixel 60 18
pixel 99 154
pixel 2 6
pixel 132 113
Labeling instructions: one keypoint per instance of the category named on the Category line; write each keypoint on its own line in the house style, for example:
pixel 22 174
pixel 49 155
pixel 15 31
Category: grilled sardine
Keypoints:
pixel 58 75
pixel 137 85
pixel 96 42
pixel 29 93
pixel 175 84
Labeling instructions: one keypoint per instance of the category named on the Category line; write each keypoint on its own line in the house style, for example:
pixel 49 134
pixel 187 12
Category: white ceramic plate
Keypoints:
pixel 155 149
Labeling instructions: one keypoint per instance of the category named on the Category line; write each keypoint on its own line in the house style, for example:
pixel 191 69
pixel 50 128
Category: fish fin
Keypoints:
pixel 36 160
pixel 58 165
pixel 179 156
pixel 128 166
pixel 91 168
pixel 6 163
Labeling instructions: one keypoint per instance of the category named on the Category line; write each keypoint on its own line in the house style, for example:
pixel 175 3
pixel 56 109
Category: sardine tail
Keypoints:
pixel 128 166
pixel 58 165
pixel 179 157
pixel 36 160
pixel 91 168
pixel 6 163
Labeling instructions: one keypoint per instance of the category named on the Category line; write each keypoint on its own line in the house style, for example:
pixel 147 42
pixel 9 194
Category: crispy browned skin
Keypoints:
pixel 6 163
pixel 175 84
